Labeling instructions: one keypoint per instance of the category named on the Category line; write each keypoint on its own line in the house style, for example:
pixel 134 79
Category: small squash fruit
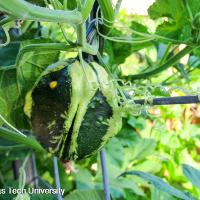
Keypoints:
pixel 75 110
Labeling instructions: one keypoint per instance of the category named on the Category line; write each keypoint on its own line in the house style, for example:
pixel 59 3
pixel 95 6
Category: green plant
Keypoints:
pixel 30 57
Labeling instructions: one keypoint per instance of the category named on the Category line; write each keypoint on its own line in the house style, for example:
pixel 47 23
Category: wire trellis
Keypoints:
pixel 57 177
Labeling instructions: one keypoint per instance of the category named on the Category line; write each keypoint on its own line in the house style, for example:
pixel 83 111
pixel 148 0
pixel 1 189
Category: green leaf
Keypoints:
pixel 180 68
pixel 86 195
pixel 71 5
pixel 117 51
pixel 150 166
pixel 11 108
pixel 6 145
pixel 8 54
pixel 158 183
pixel 135 26
pixel 8 86
pixel 157 194
pixel 11 104
pixel 192 174
pixel 8 93
pixel 137 122
pixel 138 27
pixel 175 17
pixel 125 183
pixel 84 179
pixel 37 2
pixel 32 63
pixel 127 136
pixel 24 196
pixel 143 148
pixel 194 62
pixel 174 11
pixel 115 145
pixel 16 137
pixel 43 197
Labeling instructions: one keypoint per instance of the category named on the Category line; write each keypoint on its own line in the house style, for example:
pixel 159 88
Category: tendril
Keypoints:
pixel 7 37
pixel 145 37
pixel 133 92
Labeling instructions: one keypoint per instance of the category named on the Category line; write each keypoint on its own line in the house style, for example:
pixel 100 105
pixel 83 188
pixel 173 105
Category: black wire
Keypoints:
pixel 171 100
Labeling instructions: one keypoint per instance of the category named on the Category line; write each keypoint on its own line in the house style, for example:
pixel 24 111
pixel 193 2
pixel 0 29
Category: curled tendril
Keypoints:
pixel 144 37
pixel 7 37
pixel 133 92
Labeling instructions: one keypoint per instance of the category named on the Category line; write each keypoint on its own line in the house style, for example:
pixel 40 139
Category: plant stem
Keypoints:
pixel 81 34
pixel 27 11
pixel 65 4
pixel 81 39
pixel 185 2
pixel 164 66
pixel 108 13
pixel 79 5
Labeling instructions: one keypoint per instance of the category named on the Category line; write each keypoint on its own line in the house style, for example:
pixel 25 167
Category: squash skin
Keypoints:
pixel 48 106
pixel 98 112
pixel 76 118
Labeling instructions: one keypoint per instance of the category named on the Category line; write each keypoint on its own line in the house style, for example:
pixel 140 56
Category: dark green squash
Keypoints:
pixel 75 111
